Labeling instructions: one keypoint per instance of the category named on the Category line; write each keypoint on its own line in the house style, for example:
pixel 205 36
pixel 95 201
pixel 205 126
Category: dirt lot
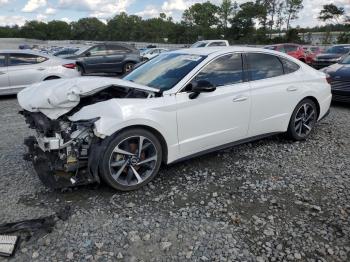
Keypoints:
pixel 271 200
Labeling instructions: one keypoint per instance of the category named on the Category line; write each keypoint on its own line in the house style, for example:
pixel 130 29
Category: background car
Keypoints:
pixel 311 52
pixel 293 50
pixel 340 79
pixel 107 58
pixel 178 105
pixel 20 68
pixel 330 56
pixel 152 53
pixel 208 43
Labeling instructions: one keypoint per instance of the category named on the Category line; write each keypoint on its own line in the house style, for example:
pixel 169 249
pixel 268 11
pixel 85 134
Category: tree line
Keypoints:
pixel 251 22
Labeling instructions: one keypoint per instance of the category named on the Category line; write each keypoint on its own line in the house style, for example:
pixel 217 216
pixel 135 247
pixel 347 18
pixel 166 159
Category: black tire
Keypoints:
pixel 51 78
pixel 109 153
pixel 81 69
pixel 301 125
pixel 128 67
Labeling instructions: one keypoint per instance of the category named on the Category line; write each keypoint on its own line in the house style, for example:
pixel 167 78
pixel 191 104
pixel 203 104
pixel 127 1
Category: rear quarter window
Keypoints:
pixel 289 66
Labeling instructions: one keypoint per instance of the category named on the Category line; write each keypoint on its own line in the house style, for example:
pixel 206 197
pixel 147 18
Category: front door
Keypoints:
pixel 219 117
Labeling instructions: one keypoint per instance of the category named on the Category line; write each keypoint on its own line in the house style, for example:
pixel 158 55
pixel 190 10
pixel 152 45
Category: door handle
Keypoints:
pixel 292 89
pixel 239 98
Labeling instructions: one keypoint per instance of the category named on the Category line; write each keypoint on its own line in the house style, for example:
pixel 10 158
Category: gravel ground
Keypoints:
pixel 271 200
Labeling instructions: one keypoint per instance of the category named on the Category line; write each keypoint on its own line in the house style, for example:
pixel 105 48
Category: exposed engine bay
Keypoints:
pixel 64 152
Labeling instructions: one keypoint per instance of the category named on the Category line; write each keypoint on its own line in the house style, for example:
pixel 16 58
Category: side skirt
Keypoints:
pixel 232 144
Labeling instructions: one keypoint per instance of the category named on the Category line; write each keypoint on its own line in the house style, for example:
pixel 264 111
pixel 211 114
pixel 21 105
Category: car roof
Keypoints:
pixel 205 51
pixel 26 51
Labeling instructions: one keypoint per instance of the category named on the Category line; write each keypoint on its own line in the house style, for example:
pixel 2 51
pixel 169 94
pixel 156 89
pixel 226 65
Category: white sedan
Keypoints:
pixel 21 68
pixel 178 105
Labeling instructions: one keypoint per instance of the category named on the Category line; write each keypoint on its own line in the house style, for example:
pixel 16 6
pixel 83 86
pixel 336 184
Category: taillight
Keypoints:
pixel 328 78
pixel 70 66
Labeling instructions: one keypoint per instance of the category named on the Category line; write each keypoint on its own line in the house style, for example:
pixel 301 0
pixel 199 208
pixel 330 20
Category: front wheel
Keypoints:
pixel 131 160
pixel 303 120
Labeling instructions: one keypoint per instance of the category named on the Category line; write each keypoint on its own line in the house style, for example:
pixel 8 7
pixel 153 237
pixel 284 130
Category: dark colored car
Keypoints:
pixel 106 58
pixel 293 50
pixel 340 79
pixel 331 56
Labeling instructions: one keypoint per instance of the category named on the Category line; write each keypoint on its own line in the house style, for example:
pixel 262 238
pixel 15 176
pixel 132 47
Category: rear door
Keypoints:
pixel 4 78
pixel 274 92
pixel 25 69
pixel 116 55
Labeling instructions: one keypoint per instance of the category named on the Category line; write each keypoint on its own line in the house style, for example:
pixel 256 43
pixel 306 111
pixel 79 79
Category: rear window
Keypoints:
pixel 262 66
pixel 25 59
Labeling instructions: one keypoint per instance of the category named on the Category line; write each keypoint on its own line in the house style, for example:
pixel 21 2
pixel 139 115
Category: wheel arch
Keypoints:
pixel 51 77
pixel 158 134
pixel 314 99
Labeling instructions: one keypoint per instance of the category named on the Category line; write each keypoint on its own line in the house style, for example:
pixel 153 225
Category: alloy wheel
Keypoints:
pixel 305 119
pixel 133 160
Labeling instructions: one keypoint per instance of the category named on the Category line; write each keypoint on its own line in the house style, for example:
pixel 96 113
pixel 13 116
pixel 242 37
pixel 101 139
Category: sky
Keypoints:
pixel 18 11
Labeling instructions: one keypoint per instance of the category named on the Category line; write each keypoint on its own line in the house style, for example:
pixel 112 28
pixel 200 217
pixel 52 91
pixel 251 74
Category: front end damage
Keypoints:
pixel 60 150
pixel 64 152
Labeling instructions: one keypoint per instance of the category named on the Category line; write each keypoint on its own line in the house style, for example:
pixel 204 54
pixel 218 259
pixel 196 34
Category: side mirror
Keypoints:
pixel 88 53
pixel 201 86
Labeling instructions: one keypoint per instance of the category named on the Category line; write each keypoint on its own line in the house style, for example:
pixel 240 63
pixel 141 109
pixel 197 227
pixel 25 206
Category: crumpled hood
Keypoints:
pixel 55 98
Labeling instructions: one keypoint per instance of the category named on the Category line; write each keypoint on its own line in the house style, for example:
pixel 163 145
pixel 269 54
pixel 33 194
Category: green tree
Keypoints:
pixel 89 29
pixel 292 9
pixel 35 30
pixel 225 12
pixel 58 30
pixel 204 16
pixel 332 13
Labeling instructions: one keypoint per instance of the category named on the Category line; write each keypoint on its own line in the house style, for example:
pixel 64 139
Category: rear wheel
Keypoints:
pixel 303 120
pixel 131 160
pixel 128 67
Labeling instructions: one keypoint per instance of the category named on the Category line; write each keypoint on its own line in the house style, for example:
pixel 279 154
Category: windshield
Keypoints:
pixel 164 71
pixel 199 44
pixel 338 49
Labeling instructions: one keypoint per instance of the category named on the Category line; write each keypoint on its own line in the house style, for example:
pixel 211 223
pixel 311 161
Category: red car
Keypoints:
pixel 311 52
pixel 293 50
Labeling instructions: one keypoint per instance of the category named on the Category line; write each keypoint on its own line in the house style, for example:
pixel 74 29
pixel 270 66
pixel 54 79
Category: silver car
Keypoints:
pixel 20 68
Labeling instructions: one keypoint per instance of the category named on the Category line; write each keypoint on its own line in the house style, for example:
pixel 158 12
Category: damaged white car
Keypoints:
pixel 178 105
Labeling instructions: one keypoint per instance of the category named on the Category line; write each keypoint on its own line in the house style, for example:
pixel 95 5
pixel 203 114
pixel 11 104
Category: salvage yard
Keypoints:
pixel 271 200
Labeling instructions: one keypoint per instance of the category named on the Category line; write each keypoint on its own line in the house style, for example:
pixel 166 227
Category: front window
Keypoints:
pixel 164 71
pixel 338 50
pixel 225 70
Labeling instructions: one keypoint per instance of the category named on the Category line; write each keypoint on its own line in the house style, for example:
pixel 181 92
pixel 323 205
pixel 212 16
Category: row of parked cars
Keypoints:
pixel 20 68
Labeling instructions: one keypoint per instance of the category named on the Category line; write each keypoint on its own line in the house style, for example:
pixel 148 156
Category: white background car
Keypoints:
pixel 21 68
pixel 178 105
pixel 152 53
pixel 210 43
